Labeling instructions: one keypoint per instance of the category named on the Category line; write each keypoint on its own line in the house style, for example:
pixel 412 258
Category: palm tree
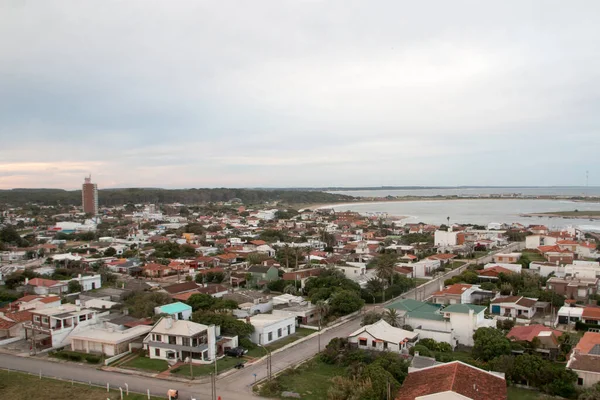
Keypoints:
pixel 391 317
pixel 322 310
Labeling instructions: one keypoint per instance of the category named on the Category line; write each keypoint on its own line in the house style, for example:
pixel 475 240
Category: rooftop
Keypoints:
pixel 174 308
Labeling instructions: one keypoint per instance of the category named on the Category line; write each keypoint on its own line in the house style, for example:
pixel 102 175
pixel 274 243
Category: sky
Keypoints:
pixel 304 93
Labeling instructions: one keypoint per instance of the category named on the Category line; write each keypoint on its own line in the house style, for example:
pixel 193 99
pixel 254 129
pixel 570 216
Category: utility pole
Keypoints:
pixel 191 368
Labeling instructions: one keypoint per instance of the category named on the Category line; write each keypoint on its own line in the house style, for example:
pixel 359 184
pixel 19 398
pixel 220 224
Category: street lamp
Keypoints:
pixel 269 365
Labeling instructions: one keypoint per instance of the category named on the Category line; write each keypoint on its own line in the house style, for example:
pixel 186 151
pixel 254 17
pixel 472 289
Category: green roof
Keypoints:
pixel 425 315
pixel 413 305
pixel 464 308
pixel 174 308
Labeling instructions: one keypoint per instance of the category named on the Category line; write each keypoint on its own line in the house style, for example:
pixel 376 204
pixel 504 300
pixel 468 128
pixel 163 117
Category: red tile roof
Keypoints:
pixel 495 271
pixel 468 381
pixel 527 333
pixel 591 312
pixel 43 282
pixel 587 342
pixel 442 256
pixel 457 288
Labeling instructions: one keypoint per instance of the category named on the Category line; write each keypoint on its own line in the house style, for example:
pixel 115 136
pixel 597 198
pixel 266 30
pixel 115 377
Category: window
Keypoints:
pixel 373 344
pixel 172 339
pixel 157 352
pixel 385 345
pixel 82 318
pixel 362 342
pixel 580 381
pixel 289 329
pixel 44 320
pixel 185 341
pixel 270 336
pixel 279 332
pixel 36 318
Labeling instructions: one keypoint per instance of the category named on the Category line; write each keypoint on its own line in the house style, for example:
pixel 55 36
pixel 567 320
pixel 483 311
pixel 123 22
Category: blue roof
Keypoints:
pixel 174 308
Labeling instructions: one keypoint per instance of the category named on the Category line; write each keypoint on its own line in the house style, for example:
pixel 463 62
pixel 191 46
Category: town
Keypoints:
pixel 232 299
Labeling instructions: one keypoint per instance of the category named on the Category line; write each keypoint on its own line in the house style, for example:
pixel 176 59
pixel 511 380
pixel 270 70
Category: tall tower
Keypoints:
pixel 89 196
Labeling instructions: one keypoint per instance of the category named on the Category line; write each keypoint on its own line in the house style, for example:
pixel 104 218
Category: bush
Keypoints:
pixel 92 359
pixel 247 343
pixel 422 350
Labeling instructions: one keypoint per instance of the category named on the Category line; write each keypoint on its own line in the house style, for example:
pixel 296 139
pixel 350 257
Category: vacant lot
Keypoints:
pixel 18 386
pixel 202 370
pixel 515 393
pixel 311 380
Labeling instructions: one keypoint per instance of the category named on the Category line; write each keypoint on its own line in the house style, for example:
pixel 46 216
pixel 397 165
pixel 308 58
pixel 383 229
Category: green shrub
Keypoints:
pixel 74 357
pixel 92 359
pixel 247 343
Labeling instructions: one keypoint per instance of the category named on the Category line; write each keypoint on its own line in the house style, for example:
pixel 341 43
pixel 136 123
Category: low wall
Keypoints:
pixel 9 340
pixel 115 358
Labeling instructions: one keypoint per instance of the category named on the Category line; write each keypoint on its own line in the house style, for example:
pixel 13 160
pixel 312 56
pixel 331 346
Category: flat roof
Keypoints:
pixel 112 336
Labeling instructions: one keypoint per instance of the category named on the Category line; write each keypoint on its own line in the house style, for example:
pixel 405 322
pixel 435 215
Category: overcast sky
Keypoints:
pixel 299 93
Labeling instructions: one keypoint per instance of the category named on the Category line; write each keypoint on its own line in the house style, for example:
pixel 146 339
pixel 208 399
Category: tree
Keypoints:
pixel 370 318
pixel 110 252
pixel 592 393
pixel 391 317
pixel 74 287
pixel 345 302
pixel 142 304
pixel 323 310
pixel 490 343
pixel 256 258
pixel 343 388
pixel 229 324
pixel 374 285
pixel 385 266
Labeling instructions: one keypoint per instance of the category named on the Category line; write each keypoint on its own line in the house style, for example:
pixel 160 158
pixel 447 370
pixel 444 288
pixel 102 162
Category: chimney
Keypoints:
pixel 416 354
pixel 168 322
pixel 77 302
pixel 248 320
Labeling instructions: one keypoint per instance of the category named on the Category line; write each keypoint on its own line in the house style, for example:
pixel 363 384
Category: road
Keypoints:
pixel 235 386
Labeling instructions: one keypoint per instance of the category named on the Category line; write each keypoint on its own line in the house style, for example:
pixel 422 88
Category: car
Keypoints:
pixel 236 352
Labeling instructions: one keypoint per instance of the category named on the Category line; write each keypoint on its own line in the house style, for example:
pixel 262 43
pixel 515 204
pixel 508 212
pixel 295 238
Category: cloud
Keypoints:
pixel 307 93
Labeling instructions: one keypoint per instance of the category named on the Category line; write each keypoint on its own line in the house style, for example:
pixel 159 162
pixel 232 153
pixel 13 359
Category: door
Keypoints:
pixel 495 309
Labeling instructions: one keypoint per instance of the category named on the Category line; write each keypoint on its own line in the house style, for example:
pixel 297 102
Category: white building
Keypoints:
pixel 89 282
pixel 177 310
pixel 424 268
pixel 271 327
pixel 445 238
pixel 383 337
pixel 107 341
pixel 535 241
pixel 177 340
pixel 353 270
pixel 514 307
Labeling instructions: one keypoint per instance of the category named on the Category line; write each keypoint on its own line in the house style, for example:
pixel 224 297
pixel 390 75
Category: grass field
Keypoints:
pixel 147 364
pixel 456 264
pixel 420 281
pixel 533 256
pixel 515 393
pixel 202 370
pixel 18 386
pixel 311 380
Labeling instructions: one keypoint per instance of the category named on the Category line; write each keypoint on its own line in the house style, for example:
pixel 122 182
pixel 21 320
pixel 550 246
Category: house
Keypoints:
pixel 584 360
pixel 88 282
pixel 383 337
pixel 107 341
pixel 260 274
pixel 513 306
pixel 460 293
pixel 569 315
pixel 546 338
pixel 493 273
pixel 454 380
pixel 532 242
pixel 453 324
pixel 176 310
pixel 180 288
pixel 12 323
pixel 352 270
pixel 516 268
pixel 579 289
pixel 304 312
pixel 508 258
pixel 45 286
pixel 179 340
pixel 52 327
pixel 271 327
pixel 153 270
pixel 423 268
pixel 302 275
pixel 33 301
pixel 591 315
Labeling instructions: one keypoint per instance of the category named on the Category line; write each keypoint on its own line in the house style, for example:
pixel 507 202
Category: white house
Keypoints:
pixel 513 306
pixel 271 327
pixel 423 268
pixel 178 340
pixel 89 282
pixel 353 270
pixel 447 238
pixel 534 241
pixel 585 360
pixel 53 327
pixel 382 336
pixel 453 324
pixel 107 341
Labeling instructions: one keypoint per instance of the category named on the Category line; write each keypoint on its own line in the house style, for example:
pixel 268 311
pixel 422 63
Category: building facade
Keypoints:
pixel 89 196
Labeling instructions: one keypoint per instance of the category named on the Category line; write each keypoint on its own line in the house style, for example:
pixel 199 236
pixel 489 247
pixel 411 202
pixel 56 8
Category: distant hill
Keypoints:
pixel 113 197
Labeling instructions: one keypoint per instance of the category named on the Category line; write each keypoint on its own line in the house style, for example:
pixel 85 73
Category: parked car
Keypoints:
pixel 236 352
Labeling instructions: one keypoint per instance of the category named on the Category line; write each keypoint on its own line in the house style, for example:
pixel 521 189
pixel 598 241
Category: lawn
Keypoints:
pixel 19 386
pixel 202 370
pixel 533 256
pixel 420 281
pixel 300 333
pixel 515 393
pixel 311 380
pixel 146 364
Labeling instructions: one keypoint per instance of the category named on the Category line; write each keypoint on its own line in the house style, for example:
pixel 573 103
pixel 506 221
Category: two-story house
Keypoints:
pixel 179 340
pixel 579 289
pixel 460 293
pixel 52 327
